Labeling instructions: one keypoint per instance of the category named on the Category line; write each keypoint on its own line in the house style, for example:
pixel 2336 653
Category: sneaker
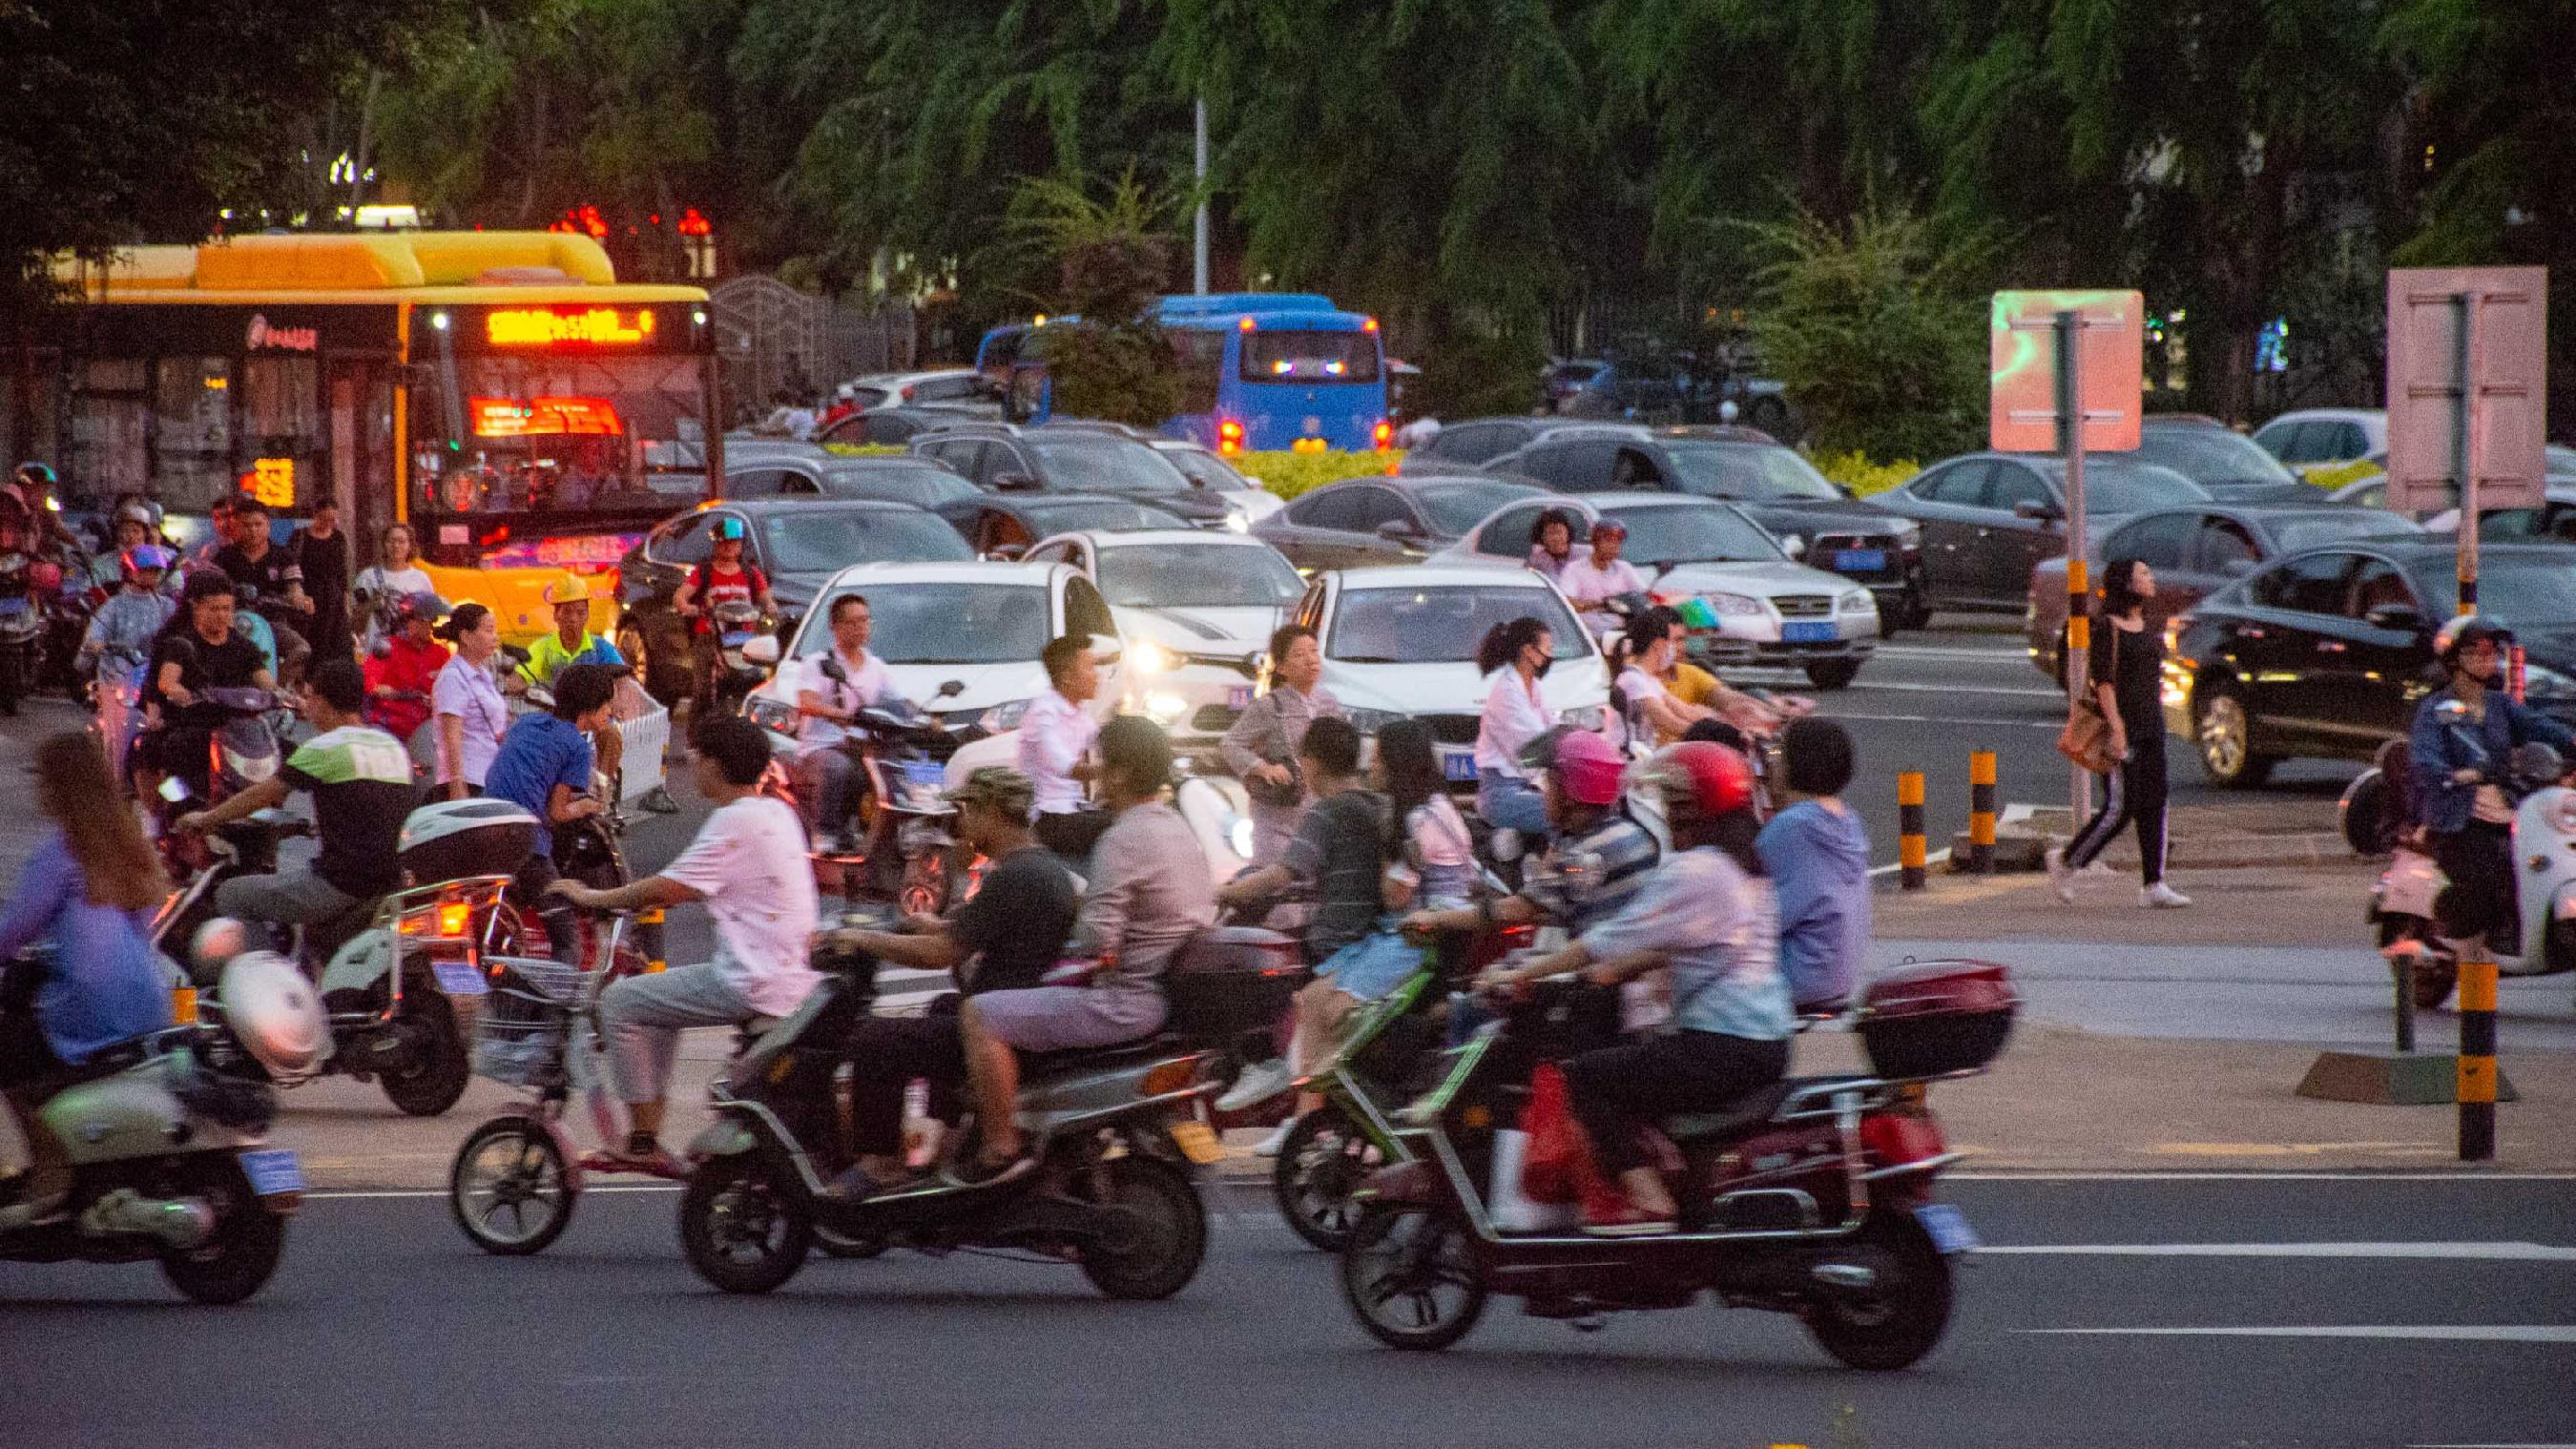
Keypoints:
pixel 2060 879
pixel 1257 1084
pixel 1627 1221
pixel 1269 1146
pixel 2162 897
pixel 980 1173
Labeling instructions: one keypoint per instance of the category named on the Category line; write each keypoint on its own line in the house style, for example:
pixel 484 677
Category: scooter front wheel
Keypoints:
pixel 1410 1277
pixel 1321 1164
pixel 510 1190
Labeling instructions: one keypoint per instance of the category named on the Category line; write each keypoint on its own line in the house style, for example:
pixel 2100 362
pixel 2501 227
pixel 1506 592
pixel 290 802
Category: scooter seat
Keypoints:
pixel 1087 1058
pixel 1734 1119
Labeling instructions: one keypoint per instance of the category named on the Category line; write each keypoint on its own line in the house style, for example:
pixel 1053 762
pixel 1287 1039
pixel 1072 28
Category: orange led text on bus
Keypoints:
pixel 543 326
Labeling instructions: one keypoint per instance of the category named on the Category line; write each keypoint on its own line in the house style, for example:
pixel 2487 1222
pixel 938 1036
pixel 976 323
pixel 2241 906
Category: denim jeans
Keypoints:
pixel 1508 802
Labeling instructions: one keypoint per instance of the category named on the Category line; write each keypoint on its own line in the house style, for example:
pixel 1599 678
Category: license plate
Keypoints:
pixel 924 774
pixel 1458 767
pixel 272 1170
pixel 1198 1142
pixel 1808 631
pixel 1861 560
pixel 1947 1226
pixel 458 978
pixel 1238 696
pixel 11 608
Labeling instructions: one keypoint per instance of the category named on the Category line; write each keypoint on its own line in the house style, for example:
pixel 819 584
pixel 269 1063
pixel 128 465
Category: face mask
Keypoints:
pixel 1545 663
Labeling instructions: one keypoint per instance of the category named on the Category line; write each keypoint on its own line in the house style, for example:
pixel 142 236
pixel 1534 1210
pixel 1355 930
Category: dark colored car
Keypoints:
pixel 2326 654
pixel 798 542
pixel 1365 522
pixel 892 427
pixel 1777 487
pixel 1076 458
pixel 1989 518
pixel 1002 524
pixel 885 477
pixel 1474 442
pixel 2195 551
pixel 2222 460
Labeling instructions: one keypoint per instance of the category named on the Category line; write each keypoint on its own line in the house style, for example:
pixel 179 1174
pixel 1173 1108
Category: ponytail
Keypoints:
pixel 1504 642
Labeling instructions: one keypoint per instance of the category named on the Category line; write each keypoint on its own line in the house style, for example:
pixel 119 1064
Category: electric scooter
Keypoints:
pixel 2543 941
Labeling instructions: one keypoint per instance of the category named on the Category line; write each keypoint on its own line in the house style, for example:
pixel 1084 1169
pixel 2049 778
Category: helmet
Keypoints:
pixel 2468 629
pixel 1586 766
pixel 727 527
pixel 275 1013
pixel 144 556
pixel 138 510
pixel 36 475
pixel 1699 780
pixel 568 590
pixel 419 606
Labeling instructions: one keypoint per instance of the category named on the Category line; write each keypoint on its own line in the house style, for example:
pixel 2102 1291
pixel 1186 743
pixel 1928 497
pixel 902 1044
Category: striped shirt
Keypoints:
pixel 1586 878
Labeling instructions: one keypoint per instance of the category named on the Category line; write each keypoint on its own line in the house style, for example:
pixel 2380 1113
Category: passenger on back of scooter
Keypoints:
pixel 400 678
pixel 90 889
pixel 2464 734
pixel 200 649
pixel 117 647
pixel 1706 913
pixel 1817 854
pixel 1006 937
pixel 362 788
pixel 1597 858
pixel 545 768
pixel 1150 891
pixel 831 688
pixel 1056 732
pixel 748 865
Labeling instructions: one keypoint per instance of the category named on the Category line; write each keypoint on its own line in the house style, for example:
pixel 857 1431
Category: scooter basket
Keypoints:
pixel 1229 980
pixel 1937 1016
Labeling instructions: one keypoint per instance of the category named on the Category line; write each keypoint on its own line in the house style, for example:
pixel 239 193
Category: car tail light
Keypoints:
pixel 1383 435
pixel 906 394
pixel 1229 435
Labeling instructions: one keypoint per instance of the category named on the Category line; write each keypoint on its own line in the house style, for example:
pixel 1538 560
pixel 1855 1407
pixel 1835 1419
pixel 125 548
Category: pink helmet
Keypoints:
pixel 1587 766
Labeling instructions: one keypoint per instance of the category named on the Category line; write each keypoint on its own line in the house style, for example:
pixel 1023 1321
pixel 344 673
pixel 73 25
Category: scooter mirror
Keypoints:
pixel 174 790
pixel 762 650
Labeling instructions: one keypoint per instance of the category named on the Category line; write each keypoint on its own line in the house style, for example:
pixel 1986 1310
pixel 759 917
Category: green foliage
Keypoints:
pixel 1858 473
pixel 1111 260
pixel 1877 329
pixel 1290 474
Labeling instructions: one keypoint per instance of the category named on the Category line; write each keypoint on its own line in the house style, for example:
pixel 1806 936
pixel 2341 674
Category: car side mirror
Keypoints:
pixel 762 651
pixel 2401 618
pixel 1794 546
pixel 2038 511
pixel 1015 482
pixel 1398 530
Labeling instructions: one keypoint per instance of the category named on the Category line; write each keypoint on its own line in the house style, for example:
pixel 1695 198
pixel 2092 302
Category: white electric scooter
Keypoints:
pixel 2543 882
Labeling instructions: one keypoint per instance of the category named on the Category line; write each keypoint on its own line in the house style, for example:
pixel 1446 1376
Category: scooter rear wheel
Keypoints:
pixel 1410 1277
pixel 238 1260
pixel 1165 1241
pixel 1898 1319
pixel 440 1075
pixel 510 1189
pixel 740 1228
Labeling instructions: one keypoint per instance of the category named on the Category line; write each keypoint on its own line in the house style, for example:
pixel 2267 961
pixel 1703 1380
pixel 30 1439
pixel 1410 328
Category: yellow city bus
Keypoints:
pixel 501 392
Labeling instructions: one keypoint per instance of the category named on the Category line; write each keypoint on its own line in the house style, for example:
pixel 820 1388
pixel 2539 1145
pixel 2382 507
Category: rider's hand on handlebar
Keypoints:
pixel 192 823
pixel 1272 774
pixel 2469 775
pixel 180 695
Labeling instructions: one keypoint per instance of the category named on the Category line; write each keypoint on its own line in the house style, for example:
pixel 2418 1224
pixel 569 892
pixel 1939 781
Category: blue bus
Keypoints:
pixel 1260 372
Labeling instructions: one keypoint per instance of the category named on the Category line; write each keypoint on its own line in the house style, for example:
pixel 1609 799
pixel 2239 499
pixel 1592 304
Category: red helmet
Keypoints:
pixel 1699 779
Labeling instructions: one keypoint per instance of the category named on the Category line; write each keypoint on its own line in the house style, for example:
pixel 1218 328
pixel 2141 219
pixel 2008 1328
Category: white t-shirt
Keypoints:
pixel 1587 583
pixel 870 683
pixel 1636 686
pixel 469 692
pixel 1513 717
pixel 379 584
pixel 1054 736
pixel 748 861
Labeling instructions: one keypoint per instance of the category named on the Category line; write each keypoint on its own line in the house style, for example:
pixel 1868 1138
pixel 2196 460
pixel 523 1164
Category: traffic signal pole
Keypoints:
pixel 2069 329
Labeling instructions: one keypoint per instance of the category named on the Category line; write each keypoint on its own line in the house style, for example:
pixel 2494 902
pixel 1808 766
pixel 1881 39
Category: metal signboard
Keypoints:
pixel 2467 401
pixel 2023 350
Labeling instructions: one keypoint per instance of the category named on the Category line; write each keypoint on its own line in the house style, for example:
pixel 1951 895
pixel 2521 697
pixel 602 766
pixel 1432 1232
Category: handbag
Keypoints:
pixel 2086 740
pixel 1559 1160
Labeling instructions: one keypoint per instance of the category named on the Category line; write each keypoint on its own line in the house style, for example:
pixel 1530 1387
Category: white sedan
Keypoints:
pixel 1402 641
pixel 1196 608
pixel 962 640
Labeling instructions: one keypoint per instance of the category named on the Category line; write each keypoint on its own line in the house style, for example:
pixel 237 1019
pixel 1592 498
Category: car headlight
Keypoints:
pixel 1004 716
pixel 1585 717
pixel 1370 721
pixel 1737 604
pixel 1794 543
pixel 1148 657
pixel 1858 601
pixel 1237 521
pixel 1165 708
pixel 2540 683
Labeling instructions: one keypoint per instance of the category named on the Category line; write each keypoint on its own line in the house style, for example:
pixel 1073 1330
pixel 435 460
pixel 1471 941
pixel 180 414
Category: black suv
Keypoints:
pixel 1071 458
pixel 1817 521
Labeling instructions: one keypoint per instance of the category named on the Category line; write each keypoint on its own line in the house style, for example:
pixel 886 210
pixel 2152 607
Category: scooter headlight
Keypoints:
pixel 250 769
pixel 1239 835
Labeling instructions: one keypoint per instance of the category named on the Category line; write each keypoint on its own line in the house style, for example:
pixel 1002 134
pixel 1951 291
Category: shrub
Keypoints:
pixel 864 450
pixel 1855 471
pixel 1289 474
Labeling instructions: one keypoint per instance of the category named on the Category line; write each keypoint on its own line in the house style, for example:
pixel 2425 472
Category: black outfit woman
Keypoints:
pixel 2131 661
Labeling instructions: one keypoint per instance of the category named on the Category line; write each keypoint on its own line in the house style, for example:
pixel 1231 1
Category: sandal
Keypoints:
pixel 659 1164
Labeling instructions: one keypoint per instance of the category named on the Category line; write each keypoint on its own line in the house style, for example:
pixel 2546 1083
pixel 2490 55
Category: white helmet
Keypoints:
pixel 275 1014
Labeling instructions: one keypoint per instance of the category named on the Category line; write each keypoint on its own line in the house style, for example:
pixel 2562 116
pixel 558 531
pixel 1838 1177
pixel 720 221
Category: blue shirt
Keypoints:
pixel 539 752
pixel 1718 929
pixel 102 982
pixel 1819 866
pixel 2436 749
pixel 124 627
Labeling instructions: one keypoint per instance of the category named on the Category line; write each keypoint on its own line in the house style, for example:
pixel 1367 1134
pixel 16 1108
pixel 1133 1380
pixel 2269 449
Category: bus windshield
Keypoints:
pixel 559 435
pixel 1309 357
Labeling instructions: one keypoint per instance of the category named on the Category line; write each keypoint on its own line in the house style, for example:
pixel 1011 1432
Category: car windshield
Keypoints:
pixel 1748 470
pixel 1706 534
pixel 1456 507
pixel 1100 464
pixel 2306 531
pixel 1200 575
pixel 2210 455
pixel 942 623
pixel 2123 487
pixel 1438 625
pixel 1309 357
pixel 1105 515
pixel 1206 469
pixel 820 540
pixel 918 484
pixel 2527 593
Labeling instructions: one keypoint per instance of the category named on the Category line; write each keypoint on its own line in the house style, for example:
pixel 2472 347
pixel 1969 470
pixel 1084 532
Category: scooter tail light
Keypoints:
pixel 1169 1077
pixel 1902 1134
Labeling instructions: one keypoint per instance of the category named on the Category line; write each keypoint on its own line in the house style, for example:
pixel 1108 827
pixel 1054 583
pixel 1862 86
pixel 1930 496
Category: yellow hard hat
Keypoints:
pixel 568 590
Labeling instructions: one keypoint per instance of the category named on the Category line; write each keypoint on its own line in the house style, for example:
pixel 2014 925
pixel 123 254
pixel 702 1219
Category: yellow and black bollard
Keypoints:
pixel 1909 828
pixel 651 923
pixel 2477 1082
pixel 1981 812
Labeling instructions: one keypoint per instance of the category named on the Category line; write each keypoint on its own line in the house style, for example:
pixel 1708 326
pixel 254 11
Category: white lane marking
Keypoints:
pixel 2501 1252
pixel 2491 1446
pixel 2025 724
pixel 1937 857
pixel 2438 1332
pixel 2017 653
pixel 358 1194
pixel 1909 687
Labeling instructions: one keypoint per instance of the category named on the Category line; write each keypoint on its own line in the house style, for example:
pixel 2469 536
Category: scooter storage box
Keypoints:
pixel 454 839
pixel 1936 1016
pixel 1228 980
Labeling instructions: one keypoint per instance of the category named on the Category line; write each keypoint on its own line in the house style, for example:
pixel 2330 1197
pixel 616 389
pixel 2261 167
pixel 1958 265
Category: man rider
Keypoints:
pixel 1005 938
pixel 1591 580
pixel 571 642
pixel 1596 859
pixel 117 646
pixel 271 579
pixel 831 688
pixel 748 865
pixel 544 768
pixel 200 649
pixel 2463 736
pixel 362 787
pixel 1055 733
pixel 1150 890
pixel 723 579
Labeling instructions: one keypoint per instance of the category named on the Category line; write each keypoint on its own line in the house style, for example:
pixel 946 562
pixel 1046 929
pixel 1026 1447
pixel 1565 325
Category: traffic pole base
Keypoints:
pixel 2390 1079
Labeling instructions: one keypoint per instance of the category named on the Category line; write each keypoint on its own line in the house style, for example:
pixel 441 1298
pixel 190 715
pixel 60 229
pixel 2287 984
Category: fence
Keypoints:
pixel 773 338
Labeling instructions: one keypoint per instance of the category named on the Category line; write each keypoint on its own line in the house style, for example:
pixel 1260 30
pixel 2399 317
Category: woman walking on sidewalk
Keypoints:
pixel 2126 674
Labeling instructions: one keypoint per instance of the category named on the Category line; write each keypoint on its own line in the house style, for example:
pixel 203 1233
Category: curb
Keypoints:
pixel 2230 850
